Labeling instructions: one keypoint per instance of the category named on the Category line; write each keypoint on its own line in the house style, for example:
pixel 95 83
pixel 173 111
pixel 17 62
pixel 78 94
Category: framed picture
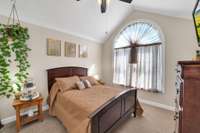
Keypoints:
pixel 53 47
pixel 196 17
pixel 83 51
pixel 70 49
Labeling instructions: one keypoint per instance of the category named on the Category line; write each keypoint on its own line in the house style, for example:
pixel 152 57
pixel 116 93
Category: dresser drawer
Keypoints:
pixel 191 71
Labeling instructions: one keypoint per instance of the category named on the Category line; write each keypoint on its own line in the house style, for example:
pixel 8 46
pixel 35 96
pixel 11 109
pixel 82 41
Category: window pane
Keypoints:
pixel 140 33
pixel 147 71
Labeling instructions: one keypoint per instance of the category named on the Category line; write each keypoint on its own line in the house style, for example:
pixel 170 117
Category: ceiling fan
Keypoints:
pixel 104 3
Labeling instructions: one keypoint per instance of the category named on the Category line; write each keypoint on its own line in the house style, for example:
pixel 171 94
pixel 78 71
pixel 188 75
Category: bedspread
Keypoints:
pixel 74 107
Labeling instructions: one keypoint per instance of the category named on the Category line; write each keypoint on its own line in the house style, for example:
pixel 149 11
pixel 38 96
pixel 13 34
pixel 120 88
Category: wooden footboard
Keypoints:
pixel 111 114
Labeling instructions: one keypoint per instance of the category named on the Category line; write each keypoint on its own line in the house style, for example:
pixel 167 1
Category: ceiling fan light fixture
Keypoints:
pixel 99 2
pixel 108 2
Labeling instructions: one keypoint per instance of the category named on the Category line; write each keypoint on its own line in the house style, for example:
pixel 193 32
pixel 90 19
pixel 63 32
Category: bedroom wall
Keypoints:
pixel 180 44
pixel 40 62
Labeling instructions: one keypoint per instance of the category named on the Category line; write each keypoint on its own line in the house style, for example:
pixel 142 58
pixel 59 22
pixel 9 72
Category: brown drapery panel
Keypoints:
pixel 133 54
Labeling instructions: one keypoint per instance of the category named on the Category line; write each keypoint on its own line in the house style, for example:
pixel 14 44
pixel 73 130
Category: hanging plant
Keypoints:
pixel 5 54
pixel 13 39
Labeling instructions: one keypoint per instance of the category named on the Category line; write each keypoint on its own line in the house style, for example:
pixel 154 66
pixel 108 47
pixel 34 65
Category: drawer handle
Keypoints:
pixel 176 116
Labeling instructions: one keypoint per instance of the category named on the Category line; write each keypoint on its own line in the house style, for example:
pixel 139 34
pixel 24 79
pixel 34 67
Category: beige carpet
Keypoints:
pixel 155 120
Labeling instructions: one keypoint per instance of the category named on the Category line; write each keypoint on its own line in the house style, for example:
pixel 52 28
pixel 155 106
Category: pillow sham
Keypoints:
pixel 67 83
pixel 80 85
pixel 91 79
pixel 87 83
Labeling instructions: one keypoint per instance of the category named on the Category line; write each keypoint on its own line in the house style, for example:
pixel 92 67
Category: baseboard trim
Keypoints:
pixel 13 118
pixel 159 105
pixel 46 107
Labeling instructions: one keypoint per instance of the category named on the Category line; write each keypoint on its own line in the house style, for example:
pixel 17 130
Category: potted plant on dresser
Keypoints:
pixel 13 38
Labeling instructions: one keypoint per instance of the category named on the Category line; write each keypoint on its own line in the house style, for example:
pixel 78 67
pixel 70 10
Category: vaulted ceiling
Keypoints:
pixel 84 18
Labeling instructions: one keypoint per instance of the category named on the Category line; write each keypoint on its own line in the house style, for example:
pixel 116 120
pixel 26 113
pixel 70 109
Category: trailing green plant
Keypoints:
pixel 13 39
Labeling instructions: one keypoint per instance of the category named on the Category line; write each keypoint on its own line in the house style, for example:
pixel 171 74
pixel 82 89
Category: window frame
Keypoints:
pixel 156 26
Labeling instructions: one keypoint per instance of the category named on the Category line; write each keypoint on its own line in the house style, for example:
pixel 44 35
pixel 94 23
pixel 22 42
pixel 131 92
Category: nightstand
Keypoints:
pixel 19 105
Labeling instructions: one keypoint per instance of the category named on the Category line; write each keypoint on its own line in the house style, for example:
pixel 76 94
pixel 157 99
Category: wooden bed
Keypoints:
pixel 111 114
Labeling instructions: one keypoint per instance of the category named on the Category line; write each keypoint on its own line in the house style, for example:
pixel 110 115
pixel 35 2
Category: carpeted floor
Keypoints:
pixel 154 120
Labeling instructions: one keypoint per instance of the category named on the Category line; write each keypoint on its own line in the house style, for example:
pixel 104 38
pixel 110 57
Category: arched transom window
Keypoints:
pixel 139 57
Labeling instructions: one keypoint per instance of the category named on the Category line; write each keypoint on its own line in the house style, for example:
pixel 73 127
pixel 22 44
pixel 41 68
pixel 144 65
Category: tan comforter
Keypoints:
pixel 73 107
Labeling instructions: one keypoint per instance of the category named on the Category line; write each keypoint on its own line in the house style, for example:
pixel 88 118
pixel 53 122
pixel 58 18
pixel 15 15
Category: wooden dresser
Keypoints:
pixel 188 97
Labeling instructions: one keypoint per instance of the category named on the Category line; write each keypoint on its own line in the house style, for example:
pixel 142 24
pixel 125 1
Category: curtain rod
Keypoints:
pixel 141 45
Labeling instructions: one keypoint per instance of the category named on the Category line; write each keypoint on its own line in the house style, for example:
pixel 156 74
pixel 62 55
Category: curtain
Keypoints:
pixel 121 67
pixel 146 74
pixel 137 62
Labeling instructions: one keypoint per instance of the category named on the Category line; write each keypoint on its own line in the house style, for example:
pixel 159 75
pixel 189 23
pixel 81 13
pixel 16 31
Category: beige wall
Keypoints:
pixel 40 62
pixel 180 44
pixel 180 41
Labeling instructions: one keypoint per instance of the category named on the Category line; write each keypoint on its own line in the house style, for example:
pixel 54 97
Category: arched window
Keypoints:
pixel 139 57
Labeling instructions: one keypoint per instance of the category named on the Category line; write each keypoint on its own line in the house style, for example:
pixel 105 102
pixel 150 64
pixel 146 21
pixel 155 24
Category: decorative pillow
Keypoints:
pixel 87 83
pixel 67 83
pixel 80 85
pixel 91 79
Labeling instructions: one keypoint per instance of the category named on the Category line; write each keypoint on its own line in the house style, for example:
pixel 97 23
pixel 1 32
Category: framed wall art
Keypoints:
pixel 53 47
pixel 196 17
pixel 70 49
pixel 83 51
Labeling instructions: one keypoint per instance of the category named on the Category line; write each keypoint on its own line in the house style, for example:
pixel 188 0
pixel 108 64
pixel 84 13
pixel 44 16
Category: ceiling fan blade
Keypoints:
pixel 127 1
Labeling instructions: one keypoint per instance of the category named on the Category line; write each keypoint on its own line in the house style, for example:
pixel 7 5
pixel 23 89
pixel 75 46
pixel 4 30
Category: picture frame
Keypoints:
pixel 196 18
pixel 70 49
pixel 53 47
pixel 83 51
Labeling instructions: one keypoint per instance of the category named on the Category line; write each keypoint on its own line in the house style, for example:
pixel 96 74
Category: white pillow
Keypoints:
pixel 91 79
pixel 87 83
pixel 80 85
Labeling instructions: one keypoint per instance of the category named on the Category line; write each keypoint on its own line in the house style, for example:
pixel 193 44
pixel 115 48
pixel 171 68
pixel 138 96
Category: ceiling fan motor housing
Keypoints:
pixel 103 6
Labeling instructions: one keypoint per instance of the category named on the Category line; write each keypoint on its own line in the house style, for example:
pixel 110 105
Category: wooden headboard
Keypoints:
pixel 64 72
